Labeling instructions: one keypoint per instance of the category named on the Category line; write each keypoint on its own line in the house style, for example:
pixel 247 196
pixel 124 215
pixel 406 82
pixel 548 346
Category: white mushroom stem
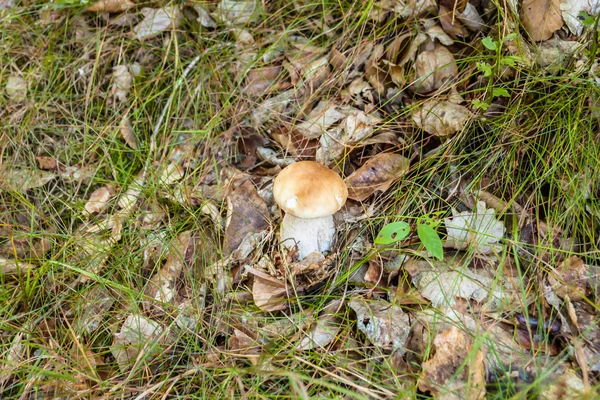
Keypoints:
pixel 310 235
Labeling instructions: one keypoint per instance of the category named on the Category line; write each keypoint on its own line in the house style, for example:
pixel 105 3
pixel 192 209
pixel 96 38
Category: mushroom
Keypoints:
pixel 309 193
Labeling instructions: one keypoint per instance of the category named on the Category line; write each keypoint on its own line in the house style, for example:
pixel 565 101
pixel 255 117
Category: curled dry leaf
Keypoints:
pixel 378 173
pixel 162 286
pixel 98 200
pixel 16 88
pixel 24 179
pixel 157 20
pixel 478 229
pixel 384 324
pixel 47 163
pixel 441 118
pixel 111 6
pixel 457 370
pixel 137 335
pixel 122 81
pixel 433 69
pixel 128 134
pixel 570 278
pixel 247 213
pixel 541 18
pixel 320 119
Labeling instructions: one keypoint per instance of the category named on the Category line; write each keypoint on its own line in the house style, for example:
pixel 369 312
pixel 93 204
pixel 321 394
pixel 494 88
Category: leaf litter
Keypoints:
pixel 407 306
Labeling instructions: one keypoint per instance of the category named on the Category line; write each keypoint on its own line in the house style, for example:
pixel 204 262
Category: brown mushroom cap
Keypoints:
pixel 308 189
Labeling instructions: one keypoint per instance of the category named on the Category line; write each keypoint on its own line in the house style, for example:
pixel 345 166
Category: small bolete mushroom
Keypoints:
pixel 309 193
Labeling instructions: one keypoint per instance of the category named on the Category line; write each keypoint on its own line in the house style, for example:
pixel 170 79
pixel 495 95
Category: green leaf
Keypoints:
pixel 586 19
pixel 489 43
pixel 497 92
pixel 392 233
pixel 431 240
pixel 485 68
pixel 510 36
pixel 478 104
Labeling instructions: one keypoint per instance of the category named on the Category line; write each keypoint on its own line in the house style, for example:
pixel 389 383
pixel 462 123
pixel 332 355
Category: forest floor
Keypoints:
pixel 140 252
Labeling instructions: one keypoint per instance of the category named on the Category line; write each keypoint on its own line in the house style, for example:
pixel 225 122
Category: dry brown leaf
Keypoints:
pixel 433 69
pixel 570 278
pixel 16 88
pixel 450 23
pixel 319 120
pixel 321 333
pixel 384 324
pixel 45 162
pixel 441 118
pixel 128 134
pixel 259 80
pixel 378 173
pixel 446 376
pixel 138 334
pixel 156 21
pixel 98 200
pixel 122 81
pixel 541 18
pixel 12 267
pixel 247 213
pixel 454 5
pixel 267 295
pixel 112 6
pixel 162 286
pixel 24 179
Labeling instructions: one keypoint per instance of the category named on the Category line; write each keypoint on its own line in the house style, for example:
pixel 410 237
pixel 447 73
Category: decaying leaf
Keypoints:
pixel 321 333
pixel 471 19
pixel 23 179
pixel 13 267
pixel 354 128
pixel 138 334
pixel 320 119
pixel 456 371
pixel 112 6
pixel 98 200
pixel 441 118
pixel 247 213
pixel 204 16
pixel 556 52
pixel 570 278
pixel 16 88
pixel 567 386
pixel 378 173
pixel 415 8
pixel 93 304
pixel 259 80
pixel 384 324
pixel 442 282
pixel 157 20
pixel 162 286
pixel 541 18
pixel 234 12
pixel 122 81
pixel 47 163
pixel 268 294
pixel 571 10
pixel 128 134
pixel 478 229
pixel 434 68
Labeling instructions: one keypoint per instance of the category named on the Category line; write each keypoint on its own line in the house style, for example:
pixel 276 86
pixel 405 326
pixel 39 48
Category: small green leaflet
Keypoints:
pixel 489 43
pixel 392 233
pixel 431 240
pixel 500 92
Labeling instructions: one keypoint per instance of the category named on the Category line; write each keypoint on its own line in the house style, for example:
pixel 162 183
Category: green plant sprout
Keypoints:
pixel 426 230
pixel 491 70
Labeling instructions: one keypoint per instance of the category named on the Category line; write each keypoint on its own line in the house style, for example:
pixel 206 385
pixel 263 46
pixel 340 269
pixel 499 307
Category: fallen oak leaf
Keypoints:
pixel 441 118
pixel 156 21
pixel 541 18
pixel 378 173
